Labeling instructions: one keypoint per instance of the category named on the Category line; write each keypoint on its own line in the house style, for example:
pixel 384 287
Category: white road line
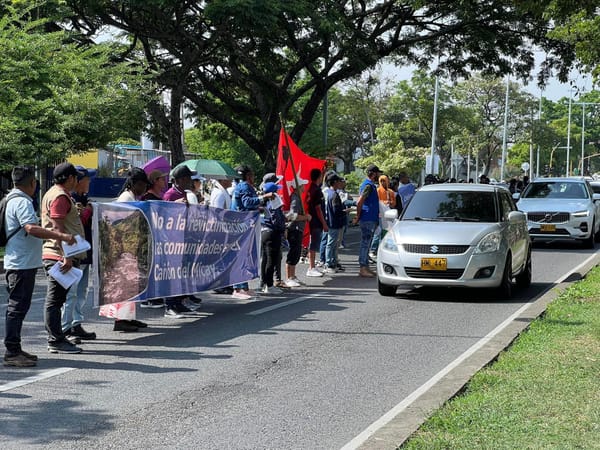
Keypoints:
pixel 392 413
pixel 33 379
pixel 282 305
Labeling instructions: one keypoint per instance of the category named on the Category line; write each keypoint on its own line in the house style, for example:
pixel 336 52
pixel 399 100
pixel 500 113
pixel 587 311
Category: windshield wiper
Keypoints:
pixel 427 219
pixel 460 219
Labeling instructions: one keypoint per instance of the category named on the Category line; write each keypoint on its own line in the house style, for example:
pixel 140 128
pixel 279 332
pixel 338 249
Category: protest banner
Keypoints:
pixel 154 249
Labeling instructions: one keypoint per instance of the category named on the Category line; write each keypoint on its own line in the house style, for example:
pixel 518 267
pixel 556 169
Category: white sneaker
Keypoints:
pixel 330 270
pixel 271 290
pixel 240 295
pixel 314 273
pixel 291 283
pixel 320 264
pixel 301 283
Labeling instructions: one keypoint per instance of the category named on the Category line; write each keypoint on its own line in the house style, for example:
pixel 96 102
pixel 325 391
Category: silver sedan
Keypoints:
pixel 456 235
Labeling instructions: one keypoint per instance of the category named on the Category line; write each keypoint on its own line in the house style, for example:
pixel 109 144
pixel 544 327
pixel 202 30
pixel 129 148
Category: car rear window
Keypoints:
pixel 555 189
pixel 452 206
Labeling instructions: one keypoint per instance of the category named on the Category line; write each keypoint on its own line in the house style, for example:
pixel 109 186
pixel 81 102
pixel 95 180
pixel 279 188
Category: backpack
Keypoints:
pixel 3 237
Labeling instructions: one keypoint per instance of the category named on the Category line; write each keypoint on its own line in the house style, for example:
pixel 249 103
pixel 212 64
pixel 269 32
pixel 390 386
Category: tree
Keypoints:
pixel 239 62
pixel 58 98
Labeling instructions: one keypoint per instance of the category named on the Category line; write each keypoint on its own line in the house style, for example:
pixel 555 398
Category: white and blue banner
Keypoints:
pixel 156 249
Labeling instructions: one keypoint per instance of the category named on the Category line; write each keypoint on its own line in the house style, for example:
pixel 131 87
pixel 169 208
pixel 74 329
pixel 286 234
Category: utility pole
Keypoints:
pixel 583 104
pixel 505 132
pixel 569 131
pixel 434 125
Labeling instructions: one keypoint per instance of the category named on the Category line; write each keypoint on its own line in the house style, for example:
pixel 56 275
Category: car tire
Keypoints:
pixel 524 278
pixel 590 242
pixel 385 289
pixel 504 290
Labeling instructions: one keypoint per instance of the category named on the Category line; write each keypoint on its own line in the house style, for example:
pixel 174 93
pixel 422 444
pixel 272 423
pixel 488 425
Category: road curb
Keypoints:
pixel 403 425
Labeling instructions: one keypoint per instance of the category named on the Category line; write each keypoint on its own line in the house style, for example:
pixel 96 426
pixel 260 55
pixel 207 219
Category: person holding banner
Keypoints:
pixel 272 230
pixel 245 198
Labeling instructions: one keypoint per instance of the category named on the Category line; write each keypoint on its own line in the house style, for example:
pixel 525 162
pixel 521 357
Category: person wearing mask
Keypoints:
pixel 181 191
pixel 124 313
pixel 59 213
pixel 22 258
pixel 367 215
pixel 245 198
pixel 72 311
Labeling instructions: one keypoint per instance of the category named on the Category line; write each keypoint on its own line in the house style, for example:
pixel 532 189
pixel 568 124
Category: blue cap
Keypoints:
pixel 271 187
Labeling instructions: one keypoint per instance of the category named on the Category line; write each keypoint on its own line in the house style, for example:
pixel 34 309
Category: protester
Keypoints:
pixel 295 230
pixel 387 200
pixel 245 198
pixel 177 307
pixel 196 188
pixel 134 188
pixel 157 187
pixel 22 258
pixel 335 216
pixel 318 225
pixel 272 229
pixel 219 197
pixel 349 203
pixel 278 281
pixel 367 215
pixel 72 311
pixel 405 190
pixel 59 213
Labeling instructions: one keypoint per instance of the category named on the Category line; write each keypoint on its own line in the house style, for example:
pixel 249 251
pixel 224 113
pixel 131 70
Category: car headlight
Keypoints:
pixel 585 213
pixel 389 244
pixel 489 243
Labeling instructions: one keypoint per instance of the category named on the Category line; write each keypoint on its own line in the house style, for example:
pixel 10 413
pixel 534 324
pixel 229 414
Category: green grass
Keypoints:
pixel 542 393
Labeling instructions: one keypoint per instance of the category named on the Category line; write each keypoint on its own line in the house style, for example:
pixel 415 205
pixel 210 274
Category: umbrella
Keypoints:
pixel 210 168
pixel 159 163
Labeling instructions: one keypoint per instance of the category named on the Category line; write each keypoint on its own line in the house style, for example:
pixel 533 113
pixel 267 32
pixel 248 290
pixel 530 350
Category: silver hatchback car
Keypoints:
pixel 468 235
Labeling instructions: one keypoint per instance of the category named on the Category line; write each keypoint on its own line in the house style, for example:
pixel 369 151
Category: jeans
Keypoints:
pixel 333 238
pixel 377 235
pixel 19 284
pixel 72 311
pixel 56 296
pixel 366 235
pixel 270 250
pixel 323 247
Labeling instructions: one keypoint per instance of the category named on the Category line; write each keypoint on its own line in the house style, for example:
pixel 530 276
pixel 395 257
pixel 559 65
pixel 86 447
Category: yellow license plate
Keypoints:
pixel 434 264
pixel 548 227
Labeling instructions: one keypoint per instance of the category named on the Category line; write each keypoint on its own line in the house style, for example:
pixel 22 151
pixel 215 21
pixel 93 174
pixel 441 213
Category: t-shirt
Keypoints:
pixel 219 197
pixel 126 196
pixel 22 251
pixel 314 198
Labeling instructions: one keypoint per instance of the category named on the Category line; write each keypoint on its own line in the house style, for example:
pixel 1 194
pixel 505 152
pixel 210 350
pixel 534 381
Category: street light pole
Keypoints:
pixel 504 134
pixel 582 136
pixel 569 132
pixel 434 125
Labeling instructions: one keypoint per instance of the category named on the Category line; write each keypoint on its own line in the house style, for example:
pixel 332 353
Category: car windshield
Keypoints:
pixel 467 206
pixel 555 189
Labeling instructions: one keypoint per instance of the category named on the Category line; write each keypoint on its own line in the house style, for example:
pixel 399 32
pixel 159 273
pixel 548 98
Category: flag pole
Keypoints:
pixel 287 145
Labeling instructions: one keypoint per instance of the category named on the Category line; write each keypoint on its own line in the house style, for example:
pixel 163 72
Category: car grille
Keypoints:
pixel 556 217
pixel 441 249
pixel 450 274
pixel 557 231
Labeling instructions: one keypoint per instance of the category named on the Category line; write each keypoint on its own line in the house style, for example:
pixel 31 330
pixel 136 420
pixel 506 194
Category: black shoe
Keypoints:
pixel 154 304
pixel 226 290
pixel 73 339
pixel 137 323
pixel 194 299
pixel 78 331
pixel 29 355
pixel 340 268
pixel 124 325
pixel 63 347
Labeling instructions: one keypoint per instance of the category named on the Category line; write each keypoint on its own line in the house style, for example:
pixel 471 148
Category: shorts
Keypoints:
pixel 315 239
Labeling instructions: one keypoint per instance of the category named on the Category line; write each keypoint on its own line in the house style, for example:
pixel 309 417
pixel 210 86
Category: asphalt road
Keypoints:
pixel 308 369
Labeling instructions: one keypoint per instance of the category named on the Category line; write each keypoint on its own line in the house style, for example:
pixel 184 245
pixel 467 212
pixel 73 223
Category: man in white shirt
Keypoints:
pixel 219 195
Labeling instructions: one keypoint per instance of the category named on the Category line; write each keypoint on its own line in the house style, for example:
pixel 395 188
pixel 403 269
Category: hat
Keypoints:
pixel 198 177
pixel 64 171
pixel 182 172
pixel 83 173
pixel 372 168
pixel 301 182
pixel 271 187
pixel 272 178
pixel 155 175
pixel 332 179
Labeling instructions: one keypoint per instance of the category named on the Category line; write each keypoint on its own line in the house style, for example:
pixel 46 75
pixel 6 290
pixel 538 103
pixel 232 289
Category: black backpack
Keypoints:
pixel 3 237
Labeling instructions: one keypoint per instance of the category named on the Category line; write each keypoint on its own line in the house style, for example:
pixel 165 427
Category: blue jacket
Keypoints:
pixel 370 208
pixel 334 209
pixel 244 197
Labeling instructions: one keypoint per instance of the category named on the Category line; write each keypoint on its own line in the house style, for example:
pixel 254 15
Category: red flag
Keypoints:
pixel 290 158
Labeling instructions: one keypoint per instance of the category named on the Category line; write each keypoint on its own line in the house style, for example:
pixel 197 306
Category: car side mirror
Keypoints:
pixel 595 197
pixel 516 216
pixel 392 214
pixel 516 196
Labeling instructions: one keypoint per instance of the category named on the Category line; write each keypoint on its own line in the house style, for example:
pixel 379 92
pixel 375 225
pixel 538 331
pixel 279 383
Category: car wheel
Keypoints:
pixel 504 291
pixel 385 289
pixel 589 242
pixel 524 278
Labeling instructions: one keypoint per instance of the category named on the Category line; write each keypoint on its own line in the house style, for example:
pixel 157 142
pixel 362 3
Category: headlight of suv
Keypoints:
pixel 389 244
pixel 489 243
pixel 585 213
